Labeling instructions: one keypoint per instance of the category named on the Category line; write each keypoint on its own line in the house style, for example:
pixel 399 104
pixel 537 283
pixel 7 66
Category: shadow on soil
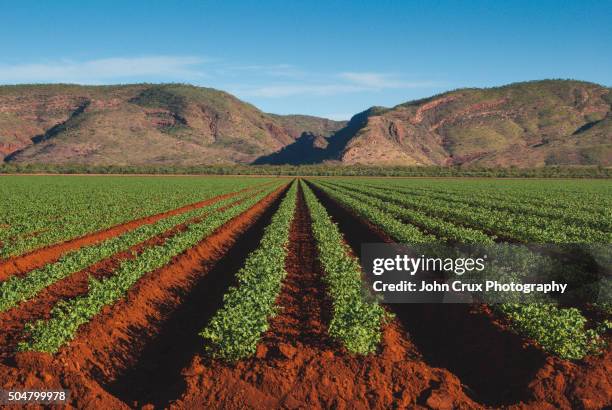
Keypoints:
pixel 490 360
pixel 156 377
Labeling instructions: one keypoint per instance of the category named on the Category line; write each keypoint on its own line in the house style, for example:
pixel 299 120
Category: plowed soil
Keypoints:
pixel 298 366
pixel 496 366
pixel 39 307
pixel 115 340
pixel 38 258
pixel 145 351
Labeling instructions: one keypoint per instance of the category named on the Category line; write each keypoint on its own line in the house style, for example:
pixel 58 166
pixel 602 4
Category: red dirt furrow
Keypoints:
pixel 38 258
pixel 156 375
pixel 145 349
pixel 12 321
pixel 112 342
pixel 499 367
pixel 298 366
pixel 586 384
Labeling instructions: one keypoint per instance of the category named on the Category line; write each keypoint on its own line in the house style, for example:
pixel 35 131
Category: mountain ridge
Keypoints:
pixel 528 124
pixel 138 124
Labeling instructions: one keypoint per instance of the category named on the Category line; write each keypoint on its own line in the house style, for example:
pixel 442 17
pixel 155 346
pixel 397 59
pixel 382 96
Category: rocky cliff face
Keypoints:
pixel 23 117
pixel 139 124
pixel 525 124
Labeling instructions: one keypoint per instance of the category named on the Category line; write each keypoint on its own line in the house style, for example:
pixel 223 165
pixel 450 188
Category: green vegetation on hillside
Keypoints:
pixel 526 125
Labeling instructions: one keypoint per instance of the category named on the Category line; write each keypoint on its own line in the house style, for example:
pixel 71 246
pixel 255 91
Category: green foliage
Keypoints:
pixel 459 213
pixel 235 330
pixel 524 197
pixel 318 170
pixel 379 217
pixel 356 322
pixel 20 288
pixel 68 315
pixel 524 211
pixel 411 211
pixel 37 211
pixel 386 202
pixel 559 331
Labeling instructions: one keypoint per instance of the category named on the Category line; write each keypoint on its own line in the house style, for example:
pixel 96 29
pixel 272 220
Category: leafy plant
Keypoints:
pixel 356 322
pixel 67 316
pixel 21 288
pixel 39 211
pixel 234 331
pixel 559 331
pixel 406 210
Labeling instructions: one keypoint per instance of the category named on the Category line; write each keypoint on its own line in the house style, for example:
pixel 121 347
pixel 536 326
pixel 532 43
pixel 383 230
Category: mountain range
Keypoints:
pixel 530 124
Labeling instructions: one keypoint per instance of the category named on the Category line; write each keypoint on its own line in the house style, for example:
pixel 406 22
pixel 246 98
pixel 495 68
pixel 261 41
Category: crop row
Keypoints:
pixel 561 331
pixel 581 196
pixel 384 220
pixel 68 315
pixel 507 225
pixel 21 288
pixel 442 229
pixel 514 203
pixel 541 227
pixel 355 322
pixel 236 328
pixel 36 212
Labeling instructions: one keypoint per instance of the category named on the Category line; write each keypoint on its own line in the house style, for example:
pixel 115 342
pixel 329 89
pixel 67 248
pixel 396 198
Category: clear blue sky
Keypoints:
pixel 329 58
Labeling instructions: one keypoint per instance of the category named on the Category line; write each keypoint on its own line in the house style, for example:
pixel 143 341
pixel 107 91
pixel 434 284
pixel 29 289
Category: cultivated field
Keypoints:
pixel 231 291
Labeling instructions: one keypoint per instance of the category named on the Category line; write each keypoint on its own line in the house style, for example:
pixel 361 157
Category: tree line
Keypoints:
pixel 316 170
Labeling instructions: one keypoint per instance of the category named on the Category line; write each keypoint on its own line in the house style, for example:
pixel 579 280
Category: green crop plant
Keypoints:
pixel 68 315
pixel 21 288
pixel 519 212
pixel 235 329
pixel 356 322
pixel 40 211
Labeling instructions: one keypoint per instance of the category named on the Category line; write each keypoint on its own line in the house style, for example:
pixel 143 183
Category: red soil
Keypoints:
pixel 111 343
pixel 145 349
pixel 583 385
pixel 49 254
pixel 497 366
pixel 297 365
pixel 12 321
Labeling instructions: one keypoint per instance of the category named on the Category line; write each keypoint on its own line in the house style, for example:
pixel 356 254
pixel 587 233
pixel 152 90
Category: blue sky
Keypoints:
pixel 328 58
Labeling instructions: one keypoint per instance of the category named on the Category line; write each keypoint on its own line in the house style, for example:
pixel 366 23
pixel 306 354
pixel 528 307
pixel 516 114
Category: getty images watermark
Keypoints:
pixel 499 273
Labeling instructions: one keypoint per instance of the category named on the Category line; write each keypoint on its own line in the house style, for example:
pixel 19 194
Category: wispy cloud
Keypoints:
pixel 245 80
pixel 274 70
pixel 103 70
pixel 287 90
pixel 334 84
pixel 381 81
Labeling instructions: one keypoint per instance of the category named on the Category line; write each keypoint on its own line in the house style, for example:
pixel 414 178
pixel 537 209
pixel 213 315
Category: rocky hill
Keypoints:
pixel 531 124
pixel 525 124
pixel 140 125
